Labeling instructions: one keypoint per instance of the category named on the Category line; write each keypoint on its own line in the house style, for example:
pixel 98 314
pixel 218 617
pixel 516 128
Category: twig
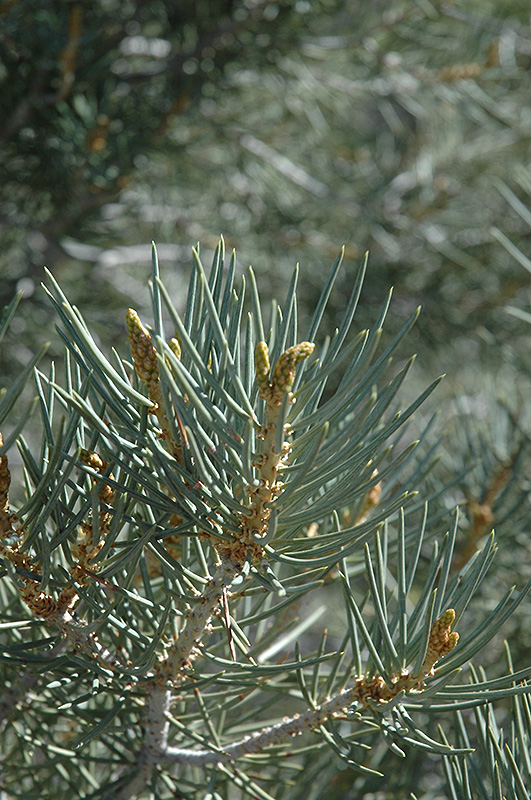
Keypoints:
pixel 365 691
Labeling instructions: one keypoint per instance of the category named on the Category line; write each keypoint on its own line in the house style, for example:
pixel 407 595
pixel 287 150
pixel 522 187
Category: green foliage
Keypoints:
pixel 78 66
pixel 502 768
pixel 87 89
pixel 191 514
pixel 402 128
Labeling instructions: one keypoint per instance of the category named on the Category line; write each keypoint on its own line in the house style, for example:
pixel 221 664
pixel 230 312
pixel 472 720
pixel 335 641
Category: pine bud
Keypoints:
pixel 175 347
pixel 5 481
pixel 284 372
pixel 441 640
pixel 143 352
pixel 262 368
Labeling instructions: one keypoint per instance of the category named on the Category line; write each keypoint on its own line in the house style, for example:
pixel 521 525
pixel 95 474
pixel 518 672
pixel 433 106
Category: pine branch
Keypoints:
pixel 191 498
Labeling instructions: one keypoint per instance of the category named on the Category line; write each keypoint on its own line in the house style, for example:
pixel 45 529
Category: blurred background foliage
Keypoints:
pixel 291 127
pixel 401 128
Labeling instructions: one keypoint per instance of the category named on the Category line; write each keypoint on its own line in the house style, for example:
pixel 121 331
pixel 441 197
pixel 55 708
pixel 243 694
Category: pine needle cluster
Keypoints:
pixel 191 511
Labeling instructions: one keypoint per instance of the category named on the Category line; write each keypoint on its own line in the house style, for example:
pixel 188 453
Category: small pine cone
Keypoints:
pixel 18 559
pixel 143 352
pixel 262 368
pixel 284 372
pixel 107 494
pixel 67 598
pixel 91 459
pixel 42 604
pixel 97 463
pixel 83 552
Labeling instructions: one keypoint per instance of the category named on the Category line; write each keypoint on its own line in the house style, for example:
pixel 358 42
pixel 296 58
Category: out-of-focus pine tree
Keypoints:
pixel 402 129
pixel 88 92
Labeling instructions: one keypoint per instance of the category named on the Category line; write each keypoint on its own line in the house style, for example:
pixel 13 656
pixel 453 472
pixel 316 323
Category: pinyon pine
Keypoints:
pixel 190 514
